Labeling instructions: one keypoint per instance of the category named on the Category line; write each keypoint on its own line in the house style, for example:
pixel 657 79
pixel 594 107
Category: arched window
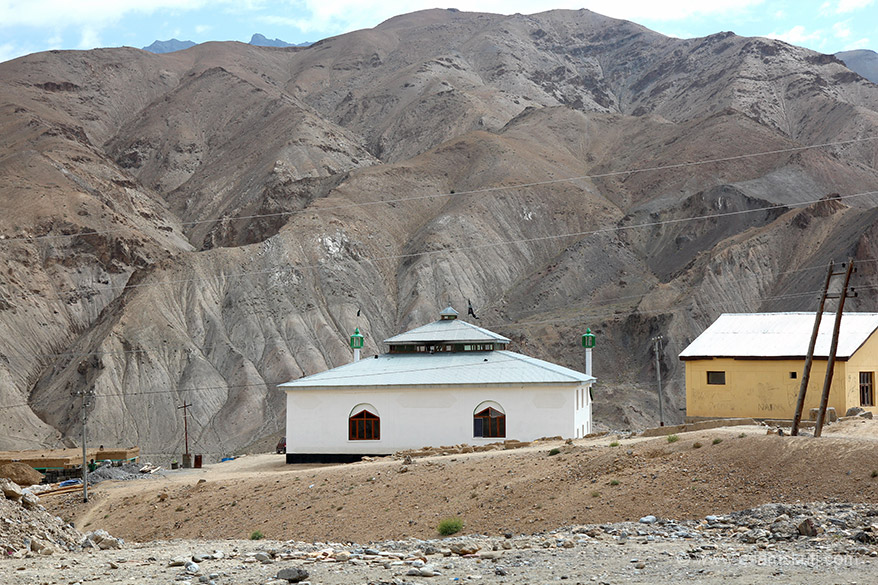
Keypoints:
pixel 489 422
pixel 364 426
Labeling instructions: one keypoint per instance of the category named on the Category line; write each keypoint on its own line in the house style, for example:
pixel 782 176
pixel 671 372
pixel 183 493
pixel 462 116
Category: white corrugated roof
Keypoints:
pixel 444 368
pixel 777 335
pixel 453 330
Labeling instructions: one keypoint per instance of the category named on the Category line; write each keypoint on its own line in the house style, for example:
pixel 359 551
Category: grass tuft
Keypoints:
pixel 673 438
pixel 449 526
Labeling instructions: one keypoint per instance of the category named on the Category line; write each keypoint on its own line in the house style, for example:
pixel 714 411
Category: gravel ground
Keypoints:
pixel 766 544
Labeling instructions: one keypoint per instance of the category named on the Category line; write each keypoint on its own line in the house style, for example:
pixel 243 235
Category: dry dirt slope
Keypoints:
pixel 523 491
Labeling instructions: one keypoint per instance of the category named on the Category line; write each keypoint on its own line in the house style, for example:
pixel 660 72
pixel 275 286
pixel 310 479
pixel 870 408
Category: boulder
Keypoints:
pixel 10 489
pixel 292 574
pixel 806 528
pixel 30 501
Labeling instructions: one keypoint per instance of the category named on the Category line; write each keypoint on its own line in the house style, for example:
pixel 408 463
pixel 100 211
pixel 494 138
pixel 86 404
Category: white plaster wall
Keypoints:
pixel 582 417
pixel 414 417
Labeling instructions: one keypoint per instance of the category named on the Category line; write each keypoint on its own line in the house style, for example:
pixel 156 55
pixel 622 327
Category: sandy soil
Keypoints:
pixel 609 479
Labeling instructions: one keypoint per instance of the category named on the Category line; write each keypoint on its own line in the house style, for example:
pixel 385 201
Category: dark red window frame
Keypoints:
pixel 364 426
pixel 489 423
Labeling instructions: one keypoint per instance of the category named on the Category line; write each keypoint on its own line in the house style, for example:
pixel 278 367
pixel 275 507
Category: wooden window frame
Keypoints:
pixel 713 376
pixel 364 426
pixel 491 419
pixel 867 388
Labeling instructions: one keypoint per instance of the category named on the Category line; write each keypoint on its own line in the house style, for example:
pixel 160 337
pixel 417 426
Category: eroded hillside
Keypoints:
pixel 200 226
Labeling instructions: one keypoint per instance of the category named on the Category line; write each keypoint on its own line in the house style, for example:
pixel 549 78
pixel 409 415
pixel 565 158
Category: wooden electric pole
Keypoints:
pixel 187 458
pixel 830 366
pixel 657 346
pixel 806 373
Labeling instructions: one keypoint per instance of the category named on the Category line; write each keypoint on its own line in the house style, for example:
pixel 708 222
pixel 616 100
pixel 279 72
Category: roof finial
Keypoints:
pixel 447 314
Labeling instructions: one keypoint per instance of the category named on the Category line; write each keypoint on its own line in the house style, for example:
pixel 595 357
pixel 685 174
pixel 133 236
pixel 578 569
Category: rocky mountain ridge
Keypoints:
pixel 202 225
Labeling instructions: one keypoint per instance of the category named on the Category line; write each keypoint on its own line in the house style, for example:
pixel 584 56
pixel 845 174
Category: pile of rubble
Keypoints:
pixel 27 529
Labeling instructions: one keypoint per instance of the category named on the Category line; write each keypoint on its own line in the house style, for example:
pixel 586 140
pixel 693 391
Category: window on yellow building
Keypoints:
pixel 716 378
pixel 867 392
pixel 793 375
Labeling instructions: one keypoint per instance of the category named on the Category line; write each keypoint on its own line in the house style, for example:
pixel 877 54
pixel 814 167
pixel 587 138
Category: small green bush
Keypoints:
pixel 742 435
pixel 697 445
pixel 450 526
pixel 875 473
pixel 614 444
pixel 595 494
pixel 614 482
pixel 717 441
pixel 554 451
pixel 256 535
pixel 673 438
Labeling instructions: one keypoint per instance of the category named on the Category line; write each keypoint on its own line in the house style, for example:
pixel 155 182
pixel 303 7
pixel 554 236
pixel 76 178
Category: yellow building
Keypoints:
pixel 751 365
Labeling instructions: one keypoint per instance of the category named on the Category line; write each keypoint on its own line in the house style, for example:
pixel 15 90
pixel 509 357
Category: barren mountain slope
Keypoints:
pixel 559 170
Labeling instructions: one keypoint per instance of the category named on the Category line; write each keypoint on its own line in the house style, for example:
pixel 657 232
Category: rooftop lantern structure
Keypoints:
pixel 448 334
pixel 357 343
pixel 588 339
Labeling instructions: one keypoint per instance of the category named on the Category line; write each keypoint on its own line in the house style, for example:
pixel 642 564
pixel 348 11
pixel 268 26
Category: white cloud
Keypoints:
pixel 798 35
pixel 95 13
pixel 202 28
pixel 842 30
pixel 89 38
pixel 9 51
pixel 845 6
pixel 860 44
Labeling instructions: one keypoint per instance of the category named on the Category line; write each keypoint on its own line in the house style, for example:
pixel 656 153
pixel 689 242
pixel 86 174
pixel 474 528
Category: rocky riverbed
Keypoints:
pixel 778 543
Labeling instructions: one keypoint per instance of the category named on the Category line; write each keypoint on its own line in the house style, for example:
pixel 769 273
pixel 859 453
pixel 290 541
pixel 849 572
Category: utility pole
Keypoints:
pixel 657 347
pixel 187 458
pixel 85 402
pixel 806 373
pixel 830 366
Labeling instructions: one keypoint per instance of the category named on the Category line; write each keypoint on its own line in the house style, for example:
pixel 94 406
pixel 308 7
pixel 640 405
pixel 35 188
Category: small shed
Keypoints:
pixel 448 382
pixel 750 365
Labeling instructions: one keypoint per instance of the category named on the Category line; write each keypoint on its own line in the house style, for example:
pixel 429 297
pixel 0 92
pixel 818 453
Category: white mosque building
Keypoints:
pixel 446 383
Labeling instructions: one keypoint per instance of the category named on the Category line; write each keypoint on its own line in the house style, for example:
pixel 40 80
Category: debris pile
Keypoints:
pixel 26 529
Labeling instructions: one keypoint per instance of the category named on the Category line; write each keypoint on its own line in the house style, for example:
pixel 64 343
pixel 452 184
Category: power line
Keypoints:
pixel 484 190
pixel 205 348
pixel 580 234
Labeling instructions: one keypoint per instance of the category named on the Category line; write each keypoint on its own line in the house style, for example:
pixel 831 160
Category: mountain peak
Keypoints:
pixel 168 46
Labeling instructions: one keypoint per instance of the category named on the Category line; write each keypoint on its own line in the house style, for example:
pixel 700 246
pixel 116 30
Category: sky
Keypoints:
pixel 29 26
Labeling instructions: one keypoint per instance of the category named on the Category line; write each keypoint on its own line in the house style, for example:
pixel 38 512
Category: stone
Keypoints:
pixel 178 562
pixel 648 520
pixel 30 501
pixel 831 415
pixel 263 557
pixel 10 489
pixel 464 547
pixel 854 411
pixel 806 528
pixel 292 574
